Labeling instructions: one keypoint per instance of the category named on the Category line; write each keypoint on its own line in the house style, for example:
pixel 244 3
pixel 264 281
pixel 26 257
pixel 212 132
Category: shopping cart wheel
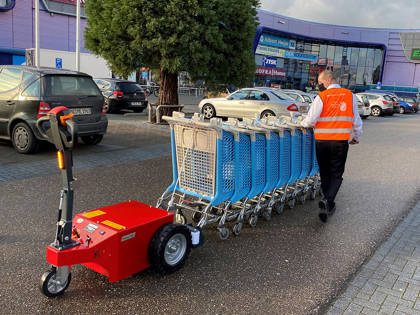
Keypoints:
pixel 197 215
pixel 291 203
pixel 278 207
pixel 223 232
pixel 180 218
pixel 302 198
pixel 267 214
pixel 313 194
pixel 253 219
pixel 237 228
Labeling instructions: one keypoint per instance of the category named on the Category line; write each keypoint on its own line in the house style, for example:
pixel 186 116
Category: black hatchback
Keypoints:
pixel 121 94
pixel 28 93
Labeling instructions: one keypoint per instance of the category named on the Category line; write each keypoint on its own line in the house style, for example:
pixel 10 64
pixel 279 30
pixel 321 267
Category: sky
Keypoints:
pixel 367 13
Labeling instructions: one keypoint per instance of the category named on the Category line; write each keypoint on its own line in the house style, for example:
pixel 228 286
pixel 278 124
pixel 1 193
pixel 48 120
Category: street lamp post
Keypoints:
pixel 37 57
pixel 78 35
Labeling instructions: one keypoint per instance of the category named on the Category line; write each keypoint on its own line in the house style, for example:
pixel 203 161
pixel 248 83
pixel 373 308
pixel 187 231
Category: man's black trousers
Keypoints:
pixel 331 156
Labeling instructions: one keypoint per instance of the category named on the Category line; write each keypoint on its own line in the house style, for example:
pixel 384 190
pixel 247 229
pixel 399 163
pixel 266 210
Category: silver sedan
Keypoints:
pixel 249 102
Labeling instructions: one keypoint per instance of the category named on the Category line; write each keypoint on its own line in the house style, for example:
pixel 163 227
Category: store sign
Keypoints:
pixel 277 52
pixel 272 72
pixel 415 54
pixel 271 40
pixel 269 51
pixel 269 62
pixel 300 56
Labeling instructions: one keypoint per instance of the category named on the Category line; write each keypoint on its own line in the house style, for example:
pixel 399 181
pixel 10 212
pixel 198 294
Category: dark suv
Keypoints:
pixel 121 94
pixel 28 93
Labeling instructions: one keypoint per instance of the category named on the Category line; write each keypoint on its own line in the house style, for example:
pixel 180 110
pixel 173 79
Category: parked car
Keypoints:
pixel 363 106
pixel 412 101
pixel 248 102
pixel 304 98
pixel 393 98
pixel 404 107
pixel 121 94
pixel 388 95
pixel 28 93
pixel 379 105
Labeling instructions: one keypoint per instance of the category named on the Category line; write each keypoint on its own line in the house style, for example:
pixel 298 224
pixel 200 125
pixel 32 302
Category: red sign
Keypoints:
pixel 272 72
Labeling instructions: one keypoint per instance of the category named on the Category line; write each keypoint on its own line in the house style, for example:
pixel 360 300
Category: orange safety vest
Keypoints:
pixel 336 120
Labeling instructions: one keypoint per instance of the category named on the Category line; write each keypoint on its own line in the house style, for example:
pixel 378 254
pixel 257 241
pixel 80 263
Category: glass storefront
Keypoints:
pixel 295 63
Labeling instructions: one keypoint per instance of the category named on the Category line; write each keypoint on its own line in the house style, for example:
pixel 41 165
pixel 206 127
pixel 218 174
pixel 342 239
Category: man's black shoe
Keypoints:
pixel 331 210
pixel 323 211
pixel 322 204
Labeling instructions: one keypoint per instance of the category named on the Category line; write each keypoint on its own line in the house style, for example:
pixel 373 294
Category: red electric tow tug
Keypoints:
pixel 116 241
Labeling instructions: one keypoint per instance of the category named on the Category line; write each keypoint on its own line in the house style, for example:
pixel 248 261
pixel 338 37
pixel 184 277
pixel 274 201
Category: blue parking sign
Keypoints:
pixel 58 63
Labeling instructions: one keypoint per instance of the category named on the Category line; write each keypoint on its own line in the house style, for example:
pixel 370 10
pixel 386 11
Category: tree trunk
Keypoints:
pixel 168 88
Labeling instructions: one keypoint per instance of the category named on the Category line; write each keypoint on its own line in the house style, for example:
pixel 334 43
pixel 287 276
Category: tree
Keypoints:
pixel 210 39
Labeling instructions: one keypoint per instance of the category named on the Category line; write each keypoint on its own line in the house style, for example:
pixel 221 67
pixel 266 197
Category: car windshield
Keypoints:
pixel 67 85
pixel 129 87
pixel 388 98
pixel 282 96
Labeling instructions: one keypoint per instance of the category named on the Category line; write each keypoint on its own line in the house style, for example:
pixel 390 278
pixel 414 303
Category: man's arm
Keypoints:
pixel 357 122
pixel 313 114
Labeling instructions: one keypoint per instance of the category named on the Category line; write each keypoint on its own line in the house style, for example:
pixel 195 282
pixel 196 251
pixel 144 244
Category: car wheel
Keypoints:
pixel 376 111
pixel 208 111
pixel 402 110
pixel 267 113
pixel 92 140
pixel 23 139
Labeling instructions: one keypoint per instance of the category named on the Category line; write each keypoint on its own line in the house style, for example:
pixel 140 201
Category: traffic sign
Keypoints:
pixel 58 63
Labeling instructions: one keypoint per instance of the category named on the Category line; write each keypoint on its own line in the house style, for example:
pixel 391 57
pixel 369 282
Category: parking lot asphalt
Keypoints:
pixel 292 264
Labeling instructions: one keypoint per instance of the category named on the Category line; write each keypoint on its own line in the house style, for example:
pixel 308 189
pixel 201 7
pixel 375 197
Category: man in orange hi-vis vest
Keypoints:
pixel 336 121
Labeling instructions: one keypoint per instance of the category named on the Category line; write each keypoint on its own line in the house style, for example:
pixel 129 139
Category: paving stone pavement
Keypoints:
pixel 87 161
pixel 389 282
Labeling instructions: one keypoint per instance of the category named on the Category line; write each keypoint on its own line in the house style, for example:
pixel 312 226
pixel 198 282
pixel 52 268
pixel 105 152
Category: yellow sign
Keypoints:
pixel 113 225
pixel 93 214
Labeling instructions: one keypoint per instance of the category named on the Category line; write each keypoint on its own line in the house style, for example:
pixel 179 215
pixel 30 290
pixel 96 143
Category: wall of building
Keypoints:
pixel 57 31
pixel 398 70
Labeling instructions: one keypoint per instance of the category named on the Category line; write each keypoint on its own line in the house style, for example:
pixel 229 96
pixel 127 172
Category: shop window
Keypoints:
pixel 370 58
pixel 354 56
pixel 330 55
pixel 338 55
pixel 362 57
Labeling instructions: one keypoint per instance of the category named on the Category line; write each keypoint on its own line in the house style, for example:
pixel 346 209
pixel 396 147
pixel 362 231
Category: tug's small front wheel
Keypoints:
pixel 51 284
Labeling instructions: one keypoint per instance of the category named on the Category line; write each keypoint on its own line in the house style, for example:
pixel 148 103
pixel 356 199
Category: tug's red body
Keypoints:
pixel 114 240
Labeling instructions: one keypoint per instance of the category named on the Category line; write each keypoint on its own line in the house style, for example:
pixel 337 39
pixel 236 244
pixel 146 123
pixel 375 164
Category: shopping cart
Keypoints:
pixel 203 170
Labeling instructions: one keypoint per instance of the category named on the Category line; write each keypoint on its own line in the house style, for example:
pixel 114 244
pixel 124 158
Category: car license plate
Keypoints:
pixel 303 108
pixel 81 111
pixel 136 103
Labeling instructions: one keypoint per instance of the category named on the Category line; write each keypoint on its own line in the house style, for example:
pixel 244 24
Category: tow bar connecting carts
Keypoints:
pixel 116 241
pixel 226 171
